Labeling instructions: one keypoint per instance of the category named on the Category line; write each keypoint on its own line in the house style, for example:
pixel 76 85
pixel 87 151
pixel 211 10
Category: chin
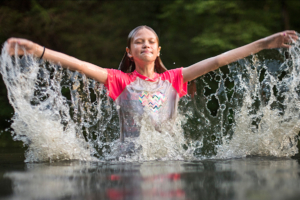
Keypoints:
pixel 148 58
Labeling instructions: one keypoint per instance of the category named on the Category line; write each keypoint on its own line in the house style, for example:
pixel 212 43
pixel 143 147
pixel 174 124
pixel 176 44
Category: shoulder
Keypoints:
pixel 175 77
pixel 172 74
pixel 115 74
pixel 117 81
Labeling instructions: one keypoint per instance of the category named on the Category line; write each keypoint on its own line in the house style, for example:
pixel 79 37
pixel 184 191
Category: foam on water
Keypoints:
pixel 257 113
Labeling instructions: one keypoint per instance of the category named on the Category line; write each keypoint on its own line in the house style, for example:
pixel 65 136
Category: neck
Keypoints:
pixel 146 69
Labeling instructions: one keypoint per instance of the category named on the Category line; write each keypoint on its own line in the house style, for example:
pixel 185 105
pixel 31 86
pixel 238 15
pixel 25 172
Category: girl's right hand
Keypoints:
pixel 23 44
pixel 280 40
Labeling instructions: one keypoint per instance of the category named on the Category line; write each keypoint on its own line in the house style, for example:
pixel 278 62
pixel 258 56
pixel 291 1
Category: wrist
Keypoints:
pixel 38 50
pixel 261 44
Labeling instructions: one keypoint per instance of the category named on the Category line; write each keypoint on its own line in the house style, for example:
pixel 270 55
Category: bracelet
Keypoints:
pixel 42 54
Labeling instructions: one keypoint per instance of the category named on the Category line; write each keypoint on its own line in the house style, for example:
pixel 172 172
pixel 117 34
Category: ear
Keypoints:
pixel 128 52
pixel 159 48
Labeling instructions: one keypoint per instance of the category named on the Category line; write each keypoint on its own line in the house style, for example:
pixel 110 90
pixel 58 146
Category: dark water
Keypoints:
pixel 244 178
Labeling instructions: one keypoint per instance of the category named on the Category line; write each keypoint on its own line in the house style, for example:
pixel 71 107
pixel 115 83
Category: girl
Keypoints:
pixel 142 85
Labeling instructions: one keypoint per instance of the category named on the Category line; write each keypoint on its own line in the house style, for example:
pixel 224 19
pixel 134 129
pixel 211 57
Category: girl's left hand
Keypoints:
pixel 23 46
pixel 282 39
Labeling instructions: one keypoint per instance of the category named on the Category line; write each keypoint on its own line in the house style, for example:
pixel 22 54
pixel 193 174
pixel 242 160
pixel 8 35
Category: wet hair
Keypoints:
pixel 127 64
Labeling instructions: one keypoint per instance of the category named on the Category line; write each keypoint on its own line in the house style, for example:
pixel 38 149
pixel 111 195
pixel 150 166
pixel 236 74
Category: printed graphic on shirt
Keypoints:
pixel 154 101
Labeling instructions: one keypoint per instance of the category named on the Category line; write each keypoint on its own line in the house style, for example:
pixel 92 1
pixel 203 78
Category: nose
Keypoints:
pixel 146 44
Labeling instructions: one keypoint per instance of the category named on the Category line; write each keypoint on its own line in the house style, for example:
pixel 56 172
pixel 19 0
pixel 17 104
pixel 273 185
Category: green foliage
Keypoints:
pixel 208 28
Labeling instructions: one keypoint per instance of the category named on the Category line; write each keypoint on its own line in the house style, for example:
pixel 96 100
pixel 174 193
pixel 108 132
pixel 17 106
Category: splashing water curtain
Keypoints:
pixel 257 110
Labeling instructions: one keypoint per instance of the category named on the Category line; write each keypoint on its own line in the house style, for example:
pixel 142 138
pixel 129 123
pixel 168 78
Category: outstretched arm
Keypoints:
pixel 277 40
pixel 97 73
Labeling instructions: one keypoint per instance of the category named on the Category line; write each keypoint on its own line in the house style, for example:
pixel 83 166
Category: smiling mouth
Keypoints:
pixel 146 52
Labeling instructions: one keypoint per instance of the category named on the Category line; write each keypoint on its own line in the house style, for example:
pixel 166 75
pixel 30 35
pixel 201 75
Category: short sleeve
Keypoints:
pixel 176 79
pixel 116 82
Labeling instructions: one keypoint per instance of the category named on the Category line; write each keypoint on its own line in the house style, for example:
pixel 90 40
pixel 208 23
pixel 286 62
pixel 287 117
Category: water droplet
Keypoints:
pixel 223 107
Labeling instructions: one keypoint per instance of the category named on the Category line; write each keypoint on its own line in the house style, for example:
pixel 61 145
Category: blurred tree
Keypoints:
pixel 208 28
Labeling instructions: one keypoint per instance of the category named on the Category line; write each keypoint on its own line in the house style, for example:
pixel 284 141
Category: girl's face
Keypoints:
pixel 144 46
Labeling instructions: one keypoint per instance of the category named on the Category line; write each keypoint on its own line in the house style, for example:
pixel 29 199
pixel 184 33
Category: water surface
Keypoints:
pixel 244 178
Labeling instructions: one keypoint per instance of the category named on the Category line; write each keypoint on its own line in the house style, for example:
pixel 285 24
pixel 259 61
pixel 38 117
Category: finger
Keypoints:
pixel 22 42
pixel 12 40
pixel 10 44
pixel 11 52
pixel 291 39
pixel 290 32
pixel 294 37
pixel 286 46
pixel 11 48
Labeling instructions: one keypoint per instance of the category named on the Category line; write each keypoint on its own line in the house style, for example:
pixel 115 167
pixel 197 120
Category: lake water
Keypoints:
pixel 264 178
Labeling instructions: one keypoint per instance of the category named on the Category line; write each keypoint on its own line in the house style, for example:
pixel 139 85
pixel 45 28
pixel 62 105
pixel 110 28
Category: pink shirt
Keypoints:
pixel 136 94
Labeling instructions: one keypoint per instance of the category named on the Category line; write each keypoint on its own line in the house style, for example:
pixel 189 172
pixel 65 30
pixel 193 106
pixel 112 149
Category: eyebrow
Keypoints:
pixel 151 38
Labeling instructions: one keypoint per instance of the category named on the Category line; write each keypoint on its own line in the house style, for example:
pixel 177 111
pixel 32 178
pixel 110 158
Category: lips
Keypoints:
pixel 146 52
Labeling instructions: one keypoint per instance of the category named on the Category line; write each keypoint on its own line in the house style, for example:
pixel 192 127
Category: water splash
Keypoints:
pixel 250 107
pixel 268 121
pixel 256 107
pixel 41 119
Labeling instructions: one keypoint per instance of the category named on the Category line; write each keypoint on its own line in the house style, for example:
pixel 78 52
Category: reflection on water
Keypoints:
pixel 248 178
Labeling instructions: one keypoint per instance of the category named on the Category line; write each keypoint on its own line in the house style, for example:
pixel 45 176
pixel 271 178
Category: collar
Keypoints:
pixel 145 77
